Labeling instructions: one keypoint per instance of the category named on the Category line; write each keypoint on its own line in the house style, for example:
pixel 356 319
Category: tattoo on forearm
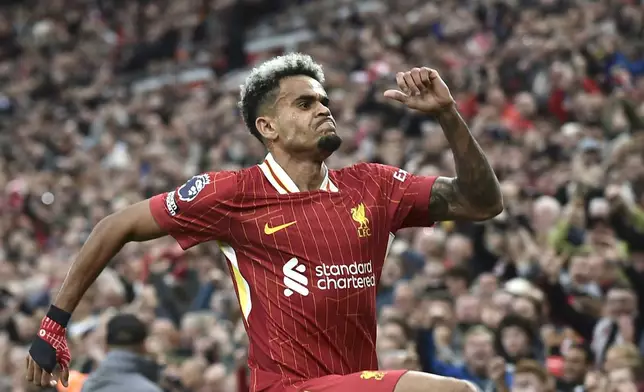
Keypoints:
pixel 475 192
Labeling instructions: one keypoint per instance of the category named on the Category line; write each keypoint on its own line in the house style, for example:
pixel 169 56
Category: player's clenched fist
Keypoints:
pixel 49 349
pixel 422 89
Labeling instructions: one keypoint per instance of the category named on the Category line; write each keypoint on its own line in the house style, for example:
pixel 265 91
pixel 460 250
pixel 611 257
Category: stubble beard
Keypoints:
pixel 328 144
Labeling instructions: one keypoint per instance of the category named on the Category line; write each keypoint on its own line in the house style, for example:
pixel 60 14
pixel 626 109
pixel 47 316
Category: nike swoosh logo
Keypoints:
pixel 272 230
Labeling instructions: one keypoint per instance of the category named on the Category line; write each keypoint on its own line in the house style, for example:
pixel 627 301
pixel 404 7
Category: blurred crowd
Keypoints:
pixel 104 103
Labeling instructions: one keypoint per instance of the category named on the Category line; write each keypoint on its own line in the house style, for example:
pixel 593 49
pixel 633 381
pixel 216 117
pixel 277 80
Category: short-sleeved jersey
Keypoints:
pixel 305 265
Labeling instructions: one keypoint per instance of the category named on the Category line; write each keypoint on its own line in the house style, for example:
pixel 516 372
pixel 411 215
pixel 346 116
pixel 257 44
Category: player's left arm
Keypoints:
pixel 474 194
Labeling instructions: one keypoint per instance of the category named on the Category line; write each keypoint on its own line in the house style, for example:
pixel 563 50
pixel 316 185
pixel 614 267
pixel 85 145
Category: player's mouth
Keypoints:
pixel 328 124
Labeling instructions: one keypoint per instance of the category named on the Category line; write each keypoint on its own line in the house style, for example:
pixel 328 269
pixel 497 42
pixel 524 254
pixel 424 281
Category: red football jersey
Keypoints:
pixel 305 265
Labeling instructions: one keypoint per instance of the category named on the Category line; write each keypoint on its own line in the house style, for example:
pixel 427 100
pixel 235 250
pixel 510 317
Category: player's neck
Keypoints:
pixel 306 173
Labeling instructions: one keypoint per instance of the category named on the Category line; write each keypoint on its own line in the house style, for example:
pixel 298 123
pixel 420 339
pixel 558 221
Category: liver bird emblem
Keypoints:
pixel 359 214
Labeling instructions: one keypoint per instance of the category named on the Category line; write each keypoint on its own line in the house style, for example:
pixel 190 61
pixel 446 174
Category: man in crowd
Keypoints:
pixel 126 365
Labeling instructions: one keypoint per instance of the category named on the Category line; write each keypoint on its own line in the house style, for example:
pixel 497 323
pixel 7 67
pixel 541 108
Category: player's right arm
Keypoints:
pixel 132 224
pixel 195 212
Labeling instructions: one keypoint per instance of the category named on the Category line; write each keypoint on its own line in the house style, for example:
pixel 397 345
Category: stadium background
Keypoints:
pixel 106 102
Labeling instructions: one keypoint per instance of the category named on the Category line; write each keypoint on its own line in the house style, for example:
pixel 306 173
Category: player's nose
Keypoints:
pixel 323 110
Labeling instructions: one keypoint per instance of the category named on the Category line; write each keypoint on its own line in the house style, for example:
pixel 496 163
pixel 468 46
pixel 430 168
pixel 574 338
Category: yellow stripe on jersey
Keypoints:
pixel 243 289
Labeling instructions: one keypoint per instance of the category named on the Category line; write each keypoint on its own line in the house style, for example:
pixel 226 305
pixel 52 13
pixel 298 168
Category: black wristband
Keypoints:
pixel 58 315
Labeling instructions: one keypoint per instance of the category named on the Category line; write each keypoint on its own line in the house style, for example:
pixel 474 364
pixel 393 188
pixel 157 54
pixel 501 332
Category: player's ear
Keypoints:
pixel 266 127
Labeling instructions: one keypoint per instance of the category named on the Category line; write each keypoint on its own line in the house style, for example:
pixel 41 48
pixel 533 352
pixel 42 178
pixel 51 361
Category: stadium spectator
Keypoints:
pixel 125 366
pixel 530 376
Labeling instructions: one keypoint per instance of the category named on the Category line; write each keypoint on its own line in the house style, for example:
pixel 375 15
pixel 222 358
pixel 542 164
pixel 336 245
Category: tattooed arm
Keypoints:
pixel 474 194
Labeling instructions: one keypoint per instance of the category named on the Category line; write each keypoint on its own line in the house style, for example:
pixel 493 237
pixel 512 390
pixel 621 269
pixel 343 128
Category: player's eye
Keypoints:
pixel 304 104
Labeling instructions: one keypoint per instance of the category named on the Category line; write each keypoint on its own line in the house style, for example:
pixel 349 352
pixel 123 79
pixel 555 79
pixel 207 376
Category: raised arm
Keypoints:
pixel 474 194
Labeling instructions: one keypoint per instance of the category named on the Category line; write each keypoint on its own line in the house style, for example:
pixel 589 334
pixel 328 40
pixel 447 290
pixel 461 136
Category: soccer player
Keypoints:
pixel 305 244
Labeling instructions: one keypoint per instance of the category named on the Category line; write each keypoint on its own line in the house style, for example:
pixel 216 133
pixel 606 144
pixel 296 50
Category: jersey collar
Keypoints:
pixel 283 183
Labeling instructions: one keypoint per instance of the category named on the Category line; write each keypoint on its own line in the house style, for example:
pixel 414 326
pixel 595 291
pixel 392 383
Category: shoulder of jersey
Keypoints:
pixel 225 183
pixel 248 178
pixel 359 173
pixel 249 173
pixel 358 169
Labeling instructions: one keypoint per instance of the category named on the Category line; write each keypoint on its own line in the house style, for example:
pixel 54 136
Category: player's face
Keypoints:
pixel 303 121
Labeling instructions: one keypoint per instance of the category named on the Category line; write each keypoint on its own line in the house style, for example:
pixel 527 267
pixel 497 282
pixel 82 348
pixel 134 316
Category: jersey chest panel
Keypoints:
pixel 316 245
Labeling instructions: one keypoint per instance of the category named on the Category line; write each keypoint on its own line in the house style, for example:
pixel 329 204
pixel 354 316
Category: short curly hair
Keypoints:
pixel 261 86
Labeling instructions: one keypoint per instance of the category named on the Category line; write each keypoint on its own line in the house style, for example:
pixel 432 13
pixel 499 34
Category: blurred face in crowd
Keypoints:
pixel 619 356
pixel 431 242
pixel 633 166
pixel 580 270
pixel 301 121
pixel 525 307
pixel 434 273
pixel 515 341
pixel 487 285
pixel 456 285
pixel 621 380
pixel 191 373
pixel 524 103
pixel 491 315
pixel 404 298
pixel 384 345
pixel 468 309
pixel 394 335
pixel 214 378
pixel 478 351
pixel 389 313
pixel 528 382
pixel 600 229
pixel 458 248
pixel 502 300
pixel 546 212
pixel 496 98
pixel 620 302
pixel 510 192
pixel 575 365
pixel 392 147
pixel 494 240
pixel 163 334
pixel 440 312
